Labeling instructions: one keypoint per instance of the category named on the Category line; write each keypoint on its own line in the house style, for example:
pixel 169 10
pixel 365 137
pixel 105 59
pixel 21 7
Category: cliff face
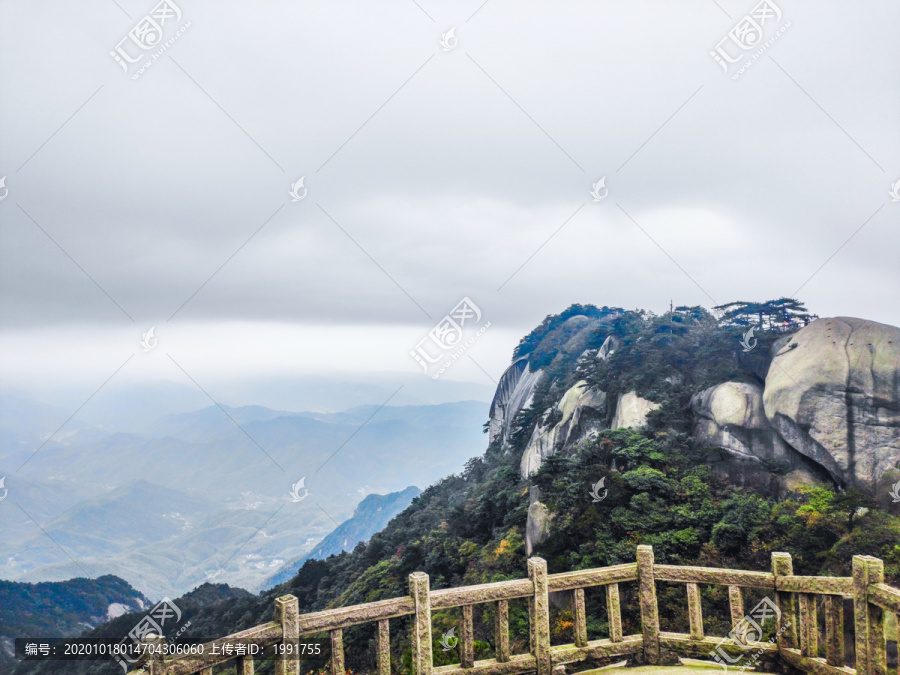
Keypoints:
pixel 828 410
pixel 632 411
pixel 514 392
pixel 583 412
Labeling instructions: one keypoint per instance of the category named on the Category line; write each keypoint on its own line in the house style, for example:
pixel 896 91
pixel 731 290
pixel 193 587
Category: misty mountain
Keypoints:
pixel 206 494
pixel 136 406
pixel 372 514
pixel 118 520
pixel 26 420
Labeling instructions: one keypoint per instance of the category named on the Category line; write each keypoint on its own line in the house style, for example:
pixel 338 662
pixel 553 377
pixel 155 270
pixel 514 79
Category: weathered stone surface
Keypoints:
pixel 610 344
pixel 583 412
pixel 887 491
pixel 731 416
pixel 514 392
pixel 833 393
pixel 631 411
pixel 537 525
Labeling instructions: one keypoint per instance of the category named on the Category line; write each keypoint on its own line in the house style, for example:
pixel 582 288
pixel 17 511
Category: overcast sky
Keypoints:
pixel 432 172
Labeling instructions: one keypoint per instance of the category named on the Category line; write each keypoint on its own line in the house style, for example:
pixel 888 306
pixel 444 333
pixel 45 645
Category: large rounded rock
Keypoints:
pixel 730 416
pixel 833 393
pixel 537 525
pixel 632 411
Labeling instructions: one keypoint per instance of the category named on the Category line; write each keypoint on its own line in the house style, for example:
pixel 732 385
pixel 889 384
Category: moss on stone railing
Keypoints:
pixel 794 606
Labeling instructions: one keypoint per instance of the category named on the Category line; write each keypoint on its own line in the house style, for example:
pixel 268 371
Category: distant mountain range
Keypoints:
pixel 372 514
pixel 205 495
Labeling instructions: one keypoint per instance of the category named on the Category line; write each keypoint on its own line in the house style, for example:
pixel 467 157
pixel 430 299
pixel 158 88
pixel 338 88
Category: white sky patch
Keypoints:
pixel 431 177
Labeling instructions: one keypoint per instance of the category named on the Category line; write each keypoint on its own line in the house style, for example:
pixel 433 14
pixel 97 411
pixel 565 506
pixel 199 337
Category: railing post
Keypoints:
pixel 421 633
pixel 877 650
pixel 783 566
pixel 245 666
pixel 154 645
pixel 287 613
pixel 695 611
pixel 540 615
pixel 834 630
pixel 614 612
pixel 736 604
pixel 649 609
pixel 809 626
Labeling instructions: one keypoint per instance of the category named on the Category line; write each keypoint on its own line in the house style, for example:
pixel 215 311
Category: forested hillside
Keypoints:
pixel 61 609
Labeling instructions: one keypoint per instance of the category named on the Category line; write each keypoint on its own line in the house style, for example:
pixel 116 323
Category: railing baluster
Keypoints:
pixel 649 608
pixel 287 613
pixel 736 603
pixel 877 646
pixel 783 566
pixel 614 612
pixel 384 647
pixel 861 613
pixel 337 652
pixel 580 619
pixel 834 630
pixel 695 611
pixel 206 671
pixel 809 627
pixel 245 665
pixel 501 631
pixel 813 626
pixel 540 614
pixel 531 649
pixel 467 644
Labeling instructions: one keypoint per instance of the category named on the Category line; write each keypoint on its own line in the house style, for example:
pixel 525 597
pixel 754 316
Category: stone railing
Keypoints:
pixel 797 641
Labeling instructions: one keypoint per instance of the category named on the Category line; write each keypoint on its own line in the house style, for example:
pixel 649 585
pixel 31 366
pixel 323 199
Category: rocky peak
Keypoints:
pixel 514 392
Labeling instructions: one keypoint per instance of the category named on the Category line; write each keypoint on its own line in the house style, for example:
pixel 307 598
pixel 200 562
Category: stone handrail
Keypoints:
pixel 796 642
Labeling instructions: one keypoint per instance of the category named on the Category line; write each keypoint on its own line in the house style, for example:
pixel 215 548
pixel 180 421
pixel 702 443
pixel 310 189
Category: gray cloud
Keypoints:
pixel 444 171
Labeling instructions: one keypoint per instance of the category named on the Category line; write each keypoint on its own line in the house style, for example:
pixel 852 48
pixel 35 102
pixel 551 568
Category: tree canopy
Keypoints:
pixel 771 315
